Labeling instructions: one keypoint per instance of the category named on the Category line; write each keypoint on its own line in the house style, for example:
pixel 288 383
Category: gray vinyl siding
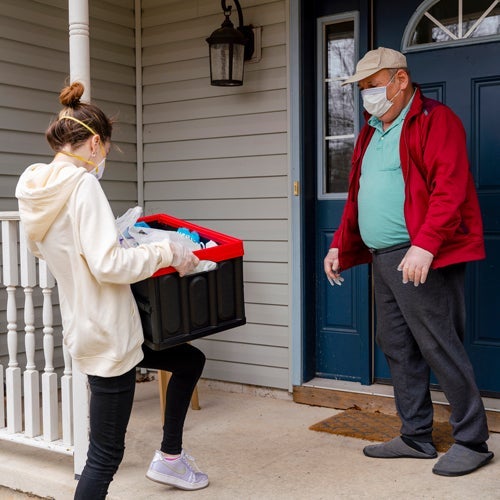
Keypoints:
pixel 217 156
pixel 112 69
pixel 34 66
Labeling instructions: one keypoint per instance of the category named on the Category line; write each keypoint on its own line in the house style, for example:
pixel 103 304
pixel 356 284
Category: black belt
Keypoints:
pixel 399 246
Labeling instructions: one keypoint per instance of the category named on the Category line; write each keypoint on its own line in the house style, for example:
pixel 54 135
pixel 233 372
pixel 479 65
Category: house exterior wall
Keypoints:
pixel 212 155
pixel 217 156
pixel 113 79
pixel 34 66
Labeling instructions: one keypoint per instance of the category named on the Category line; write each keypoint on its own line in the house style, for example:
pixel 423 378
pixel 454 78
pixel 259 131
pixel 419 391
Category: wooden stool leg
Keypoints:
pixel 163 379
pixel 195 403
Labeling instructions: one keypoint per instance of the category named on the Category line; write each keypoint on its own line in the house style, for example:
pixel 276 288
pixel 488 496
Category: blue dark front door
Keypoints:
pixel 462 71
pixel 337 336
pixel 453 54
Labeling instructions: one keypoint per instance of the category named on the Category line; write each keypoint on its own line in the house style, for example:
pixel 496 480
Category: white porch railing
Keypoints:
pixel 55 417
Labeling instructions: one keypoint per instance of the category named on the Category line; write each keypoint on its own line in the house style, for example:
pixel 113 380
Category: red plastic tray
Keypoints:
pixel 227 247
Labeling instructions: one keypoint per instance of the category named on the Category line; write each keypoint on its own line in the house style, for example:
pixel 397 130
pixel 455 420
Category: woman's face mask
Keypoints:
pixel 99 169
pixel 375 99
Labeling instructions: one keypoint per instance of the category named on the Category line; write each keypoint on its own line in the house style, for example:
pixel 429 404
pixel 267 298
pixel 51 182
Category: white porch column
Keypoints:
pixel 79 46
pixel 79 55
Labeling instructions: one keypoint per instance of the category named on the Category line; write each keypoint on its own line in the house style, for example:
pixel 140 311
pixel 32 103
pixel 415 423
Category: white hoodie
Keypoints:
pixel 69 223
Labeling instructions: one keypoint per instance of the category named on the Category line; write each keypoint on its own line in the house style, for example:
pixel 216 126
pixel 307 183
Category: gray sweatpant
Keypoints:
pixel 422 327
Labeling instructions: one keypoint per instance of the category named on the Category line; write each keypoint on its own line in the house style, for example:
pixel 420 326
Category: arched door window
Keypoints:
pixel 441 23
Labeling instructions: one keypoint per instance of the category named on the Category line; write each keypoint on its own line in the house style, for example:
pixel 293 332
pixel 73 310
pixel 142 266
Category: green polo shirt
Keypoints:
pixel 381 187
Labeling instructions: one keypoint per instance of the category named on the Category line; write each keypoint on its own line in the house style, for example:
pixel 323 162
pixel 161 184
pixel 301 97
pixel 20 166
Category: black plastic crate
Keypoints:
pixel 175 310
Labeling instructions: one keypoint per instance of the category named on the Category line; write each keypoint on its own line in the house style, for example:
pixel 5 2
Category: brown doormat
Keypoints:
pixel 376 426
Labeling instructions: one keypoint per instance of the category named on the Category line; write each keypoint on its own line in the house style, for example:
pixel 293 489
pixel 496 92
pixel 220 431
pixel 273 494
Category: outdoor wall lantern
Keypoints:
pixel 229 48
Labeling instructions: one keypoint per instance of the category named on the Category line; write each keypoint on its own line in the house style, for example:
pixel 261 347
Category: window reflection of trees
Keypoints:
pixel 340 109
pixel 338 155
pixel 339 140
pixel 448 20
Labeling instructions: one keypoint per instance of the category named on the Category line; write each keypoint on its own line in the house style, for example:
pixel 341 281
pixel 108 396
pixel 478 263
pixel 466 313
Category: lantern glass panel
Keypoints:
pixel 238 61
pixel 220 61
pixel 224 70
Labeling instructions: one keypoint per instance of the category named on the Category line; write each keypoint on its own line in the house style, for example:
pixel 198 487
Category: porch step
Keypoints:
pixel 342 400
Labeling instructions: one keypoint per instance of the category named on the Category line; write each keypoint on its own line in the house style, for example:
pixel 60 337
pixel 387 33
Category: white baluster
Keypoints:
pixel 10 280
pixel 67 399
pixel 31 375
pixel 49 377
pixel 2 398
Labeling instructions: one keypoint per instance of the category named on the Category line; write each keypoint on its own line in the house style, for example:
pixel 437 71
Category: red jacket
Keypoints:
pixel 441 208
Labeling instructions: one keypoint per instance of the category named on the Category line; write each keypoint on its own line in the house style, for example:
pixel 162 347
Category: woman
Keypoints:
pixel 69 224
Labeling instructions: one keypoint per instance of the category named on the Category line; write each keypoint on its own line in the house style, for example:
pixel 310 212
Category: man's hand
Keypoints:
pixel 331 266
pixel 415 265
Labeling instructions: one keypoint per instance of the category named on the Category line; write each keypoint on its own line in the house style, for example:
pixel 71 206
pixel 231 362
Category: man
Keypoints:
pixel 412 211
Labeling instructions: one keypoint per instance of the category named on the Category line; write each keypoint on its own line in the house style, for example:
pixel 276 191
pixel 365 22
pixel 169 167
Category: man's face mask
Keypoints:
pixel 375 99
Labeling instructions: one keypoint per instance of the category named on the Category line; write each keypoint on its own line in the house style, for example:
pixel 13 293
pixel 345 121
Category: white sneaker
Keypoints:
pixel 181 472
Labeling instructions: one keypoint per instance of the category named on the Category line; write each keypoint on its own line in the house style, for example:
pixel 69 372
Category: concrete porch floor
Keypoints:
pixel 253 444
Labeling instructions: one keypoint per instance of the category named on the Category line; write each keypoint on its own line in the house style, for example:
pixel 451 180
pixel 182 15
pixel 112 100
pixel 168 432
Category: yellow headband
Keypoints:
pixel 89 129
pixel 93 132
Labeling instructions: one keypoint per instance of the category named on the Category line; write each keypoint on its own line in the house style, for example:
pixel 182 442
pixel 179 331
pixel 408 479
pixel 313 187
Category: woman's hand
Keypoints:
pixel 184 260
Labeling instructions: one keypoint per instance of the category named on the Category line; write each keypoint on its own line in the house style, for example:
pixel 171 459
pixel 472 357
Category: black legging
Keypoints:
pixel 186 363
pixel 111 402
